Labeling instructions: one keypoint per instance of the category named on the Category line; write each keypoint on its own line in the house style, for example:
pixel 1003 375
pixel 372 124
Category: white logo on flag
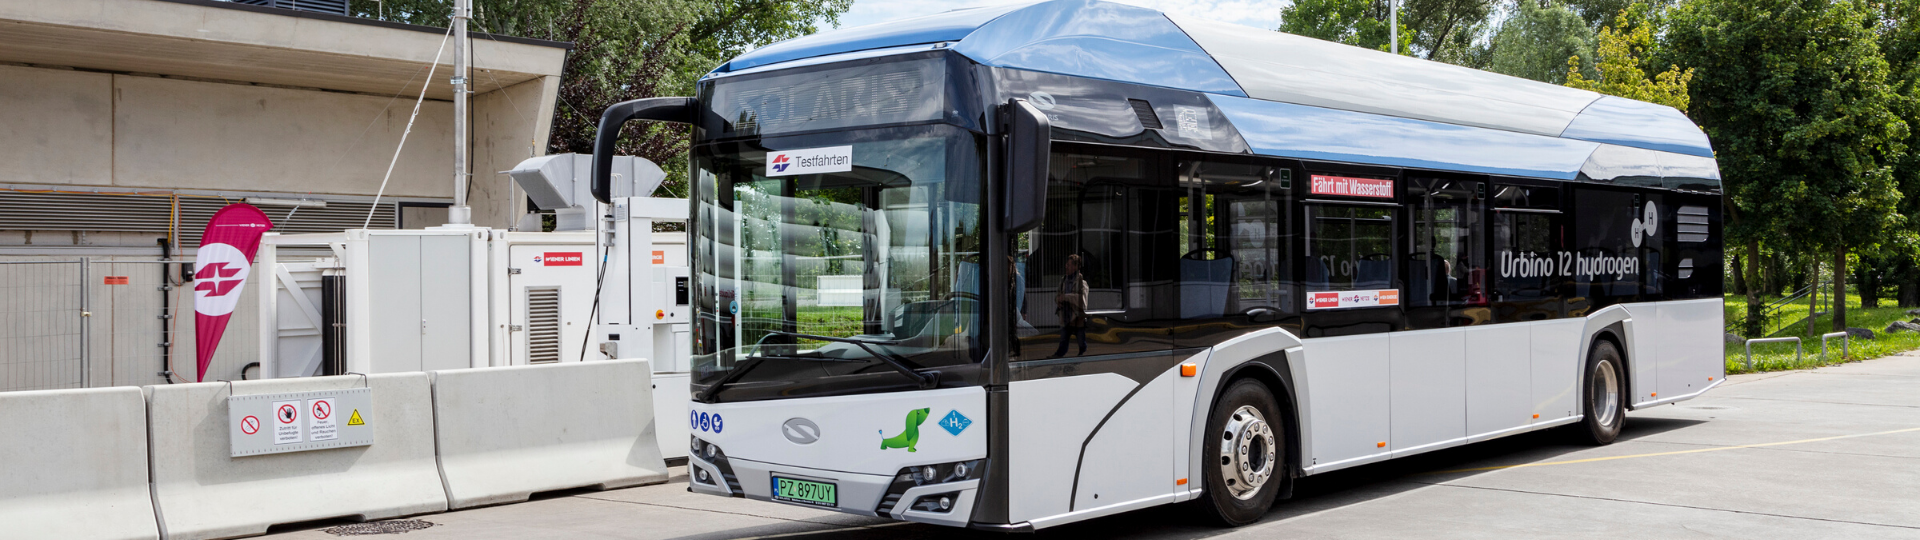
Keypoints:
pixel 220 272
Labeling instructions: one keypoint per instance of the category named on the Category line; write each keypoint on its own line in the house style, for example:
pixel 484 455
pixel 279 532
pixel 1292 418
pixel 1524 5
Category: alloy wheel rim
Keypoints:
pixel 1606 393
pixel 1248 453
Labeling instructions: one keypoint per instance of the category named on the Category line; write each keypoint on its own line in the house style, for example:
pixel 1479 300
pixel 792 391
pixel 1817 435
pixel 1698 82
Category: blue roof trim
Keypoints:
pixel 1101 40
pixel 1626 122
pixel 949 26
pixel 1298 131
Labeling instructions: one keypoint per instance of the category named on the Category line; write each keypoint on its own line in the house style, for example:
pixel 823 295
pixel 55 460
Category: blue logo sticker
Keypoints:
pixel 717 423
pixel 955 422
pixel 734 307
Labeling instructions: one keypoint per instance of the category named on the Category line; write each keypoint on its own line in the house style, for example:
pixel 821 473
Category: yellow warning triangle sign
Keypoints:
pixel 355 420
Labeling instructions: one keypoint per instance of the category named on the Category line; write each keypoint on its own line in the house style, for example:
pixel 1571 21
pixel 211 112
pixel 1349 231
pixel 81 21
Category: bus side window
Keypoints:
pixel 1236 250
pixel 1528 239
pixel 1446 272
pixel 1349 248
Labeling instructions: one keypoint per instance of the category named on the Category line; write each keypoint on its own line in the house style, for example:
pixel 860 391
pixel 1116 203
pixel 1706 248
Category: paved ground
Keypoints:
pixel 1826 453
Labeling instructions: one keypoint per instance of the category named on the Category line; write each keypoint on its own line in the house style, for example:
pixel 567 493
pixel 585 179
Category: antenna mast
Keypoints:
pixel 460 213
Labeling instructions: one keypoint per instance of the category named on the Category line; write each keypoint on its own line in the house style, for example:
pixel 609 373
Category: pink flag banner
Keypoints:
pixel 221 267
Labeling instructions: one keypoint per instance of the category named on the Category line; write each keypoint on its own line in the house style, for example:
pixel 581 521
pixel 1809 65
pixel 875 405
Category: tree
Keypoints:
pixel 1597 12
pixel 1795 96
pixel 628 49
pixel 1442 30
pixel 1536 41
pixel 1620 60
pixel 1900 44
pixel 1361 23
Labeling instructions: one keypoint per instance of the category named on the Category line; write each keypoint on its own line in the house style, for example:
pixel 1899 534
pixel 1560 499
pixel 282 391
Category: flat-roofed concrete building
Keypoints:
pixel 124 124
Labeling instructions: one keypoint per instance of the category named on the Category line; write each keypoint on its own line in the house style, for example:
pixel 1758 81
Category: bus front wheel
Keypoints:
pixel 1246 454
pixel 1605 394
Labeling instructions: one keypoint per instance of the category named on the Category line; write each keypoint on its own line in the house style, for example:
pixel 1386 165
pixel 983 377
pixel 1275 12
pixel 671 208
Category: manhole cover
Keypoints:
pixel 378 527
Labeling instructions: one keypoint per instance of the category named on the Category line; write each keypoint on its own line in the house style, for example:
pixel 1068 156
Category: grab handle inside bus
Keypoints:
pixel 1029 140
pixel 662 109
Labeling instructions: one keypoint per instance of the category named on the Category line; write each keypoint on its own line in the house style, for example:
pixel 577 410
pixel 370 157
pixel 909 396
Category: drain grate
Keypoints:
pixel 396 526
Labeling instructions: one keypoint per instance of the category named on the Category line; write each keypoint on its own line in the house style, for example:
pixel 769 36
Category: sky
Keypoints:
pixel 1263 14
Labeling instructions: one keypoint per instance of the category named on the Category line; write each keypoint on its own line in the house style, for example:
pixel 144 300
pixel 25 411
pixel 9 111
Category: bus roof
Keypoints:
pixel 1103 40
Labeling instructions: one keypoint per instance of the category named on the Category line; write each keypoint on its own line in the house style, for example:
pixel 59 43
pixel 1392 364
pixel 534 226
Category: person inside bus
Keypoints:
pixel 1071 304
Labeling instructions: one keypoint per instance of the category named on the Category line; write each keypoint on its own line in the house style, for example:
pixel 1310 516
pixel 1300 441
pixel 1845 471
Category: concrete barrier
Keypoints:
pixel 506 433
pixel 201 492
pixel 73 464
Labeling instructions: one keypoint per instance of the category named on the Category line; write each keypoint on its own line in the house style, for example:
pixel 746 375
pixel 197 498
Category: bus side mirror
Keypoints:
pixel 1029 140
pixel 662 109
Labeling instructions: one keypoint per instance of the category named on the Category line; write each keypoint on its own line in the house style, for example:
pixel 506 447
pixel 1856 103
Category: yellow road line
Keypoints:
pixel 1695 451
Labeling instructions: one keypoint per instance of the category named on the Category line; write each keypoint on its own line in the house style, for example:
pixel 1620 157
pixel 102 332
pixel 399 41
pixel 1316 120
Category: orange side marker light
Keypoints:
pixel 1189 370
pixel 1656 394
pixel 1380 445
pixel 1536 416
pixel 1180 482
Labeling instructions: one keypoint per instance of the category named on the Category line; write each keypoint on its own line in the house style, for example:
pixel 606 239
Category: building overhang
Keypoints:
pixel 221 41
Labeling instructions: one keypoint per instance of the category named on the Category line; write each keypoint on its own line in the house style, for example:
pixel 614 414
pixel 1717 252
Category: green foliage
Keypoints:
pixel 1621 56
pixel 1794 94
pixel 1536 41
pixel 1598 12
pixel 1441 30
pixel 1793 322
pixel 626 49
pixel 1361 23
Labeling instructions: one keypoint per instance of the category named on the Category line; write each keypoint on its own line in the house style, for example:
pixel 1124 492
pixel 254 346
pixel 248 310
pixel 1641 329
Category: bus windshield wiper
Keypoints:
pixel 924 380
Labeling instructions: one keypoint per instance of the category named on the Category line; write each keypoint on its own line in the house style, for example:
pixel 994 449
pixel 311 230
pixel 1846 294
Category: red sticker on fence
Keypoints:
pixel 116 280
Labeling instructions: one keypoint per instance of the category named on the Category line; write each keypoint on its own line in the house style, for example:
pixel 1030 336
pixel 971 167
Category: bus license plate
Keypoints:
pixel 805 492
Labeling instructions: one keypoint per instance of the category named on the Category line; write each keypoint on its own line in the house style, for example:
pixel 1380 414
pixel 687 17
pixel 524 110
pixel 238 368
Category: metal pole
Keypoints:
pixel 86 319
pixel 1393 24
pixel 460 213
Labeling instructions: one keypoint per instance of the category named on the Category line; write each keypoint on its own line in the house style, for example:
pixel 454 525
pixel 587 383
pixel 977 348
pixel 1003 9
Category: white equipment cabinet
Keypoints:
pixel 381 301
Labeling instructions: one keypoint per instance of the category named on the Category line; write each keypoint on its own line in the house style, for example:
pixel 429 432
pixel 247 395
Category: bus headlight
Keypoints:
pixel 921 475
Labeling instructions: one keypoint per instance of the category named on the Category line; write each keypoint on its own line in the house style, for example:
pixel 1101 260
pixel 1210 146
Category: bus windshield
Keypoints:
pixel 829 263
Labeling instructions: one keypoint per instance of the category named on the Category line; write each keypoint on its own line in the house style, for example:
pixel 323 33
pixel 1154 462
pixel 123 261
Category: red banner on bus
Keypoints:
pixel 1345 186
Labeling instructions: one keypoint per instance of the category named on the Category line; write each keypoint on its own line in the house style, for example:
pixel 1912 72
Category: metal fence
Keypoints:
pixel 79 323
pixel 43 325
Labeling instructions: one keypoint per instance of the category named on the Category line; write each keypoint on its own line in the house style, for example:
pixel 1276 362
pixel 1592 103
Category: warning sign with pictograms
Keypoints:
pixel 321 427
pixel 287 427
pixel 298 421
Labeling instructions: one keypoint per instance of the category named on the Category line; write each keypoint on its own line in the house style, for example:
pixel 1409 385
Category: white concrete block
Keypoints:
pixel 201 492
pixel 73 464
pixel 506 433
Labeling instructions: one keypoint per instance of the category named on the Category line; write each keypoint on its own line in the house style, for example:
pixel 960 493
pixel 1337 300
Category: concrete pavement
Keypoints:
pixel 1825 453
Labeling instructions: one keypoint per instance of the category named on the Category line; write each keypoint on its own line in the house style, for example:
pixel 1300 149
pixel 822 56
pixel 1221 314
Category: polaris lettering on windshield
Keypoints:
pixel 831 159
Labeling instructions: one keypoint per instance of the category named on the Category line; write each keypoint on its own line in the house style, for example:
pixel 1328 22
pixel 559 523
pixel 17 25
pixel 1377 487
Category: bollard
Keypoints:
pixel 1797 353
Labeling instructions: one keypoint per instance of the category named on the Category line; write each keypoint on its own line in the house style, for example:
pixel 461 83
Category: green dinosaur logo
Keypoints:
pixel 909 437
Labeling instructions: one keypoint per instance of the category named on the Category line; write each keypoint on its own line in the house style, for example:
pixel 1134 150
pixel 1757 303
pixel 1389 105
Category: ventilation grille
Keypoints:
pixel 543 325
pixel 336 7
pixel 22 211
pixel 1693 224
pixel 1144 110
pixel 1686 268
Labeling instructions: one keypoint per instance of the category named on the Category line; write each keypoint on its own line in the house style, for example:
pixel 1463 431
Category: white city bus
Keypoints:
pixel 1297 257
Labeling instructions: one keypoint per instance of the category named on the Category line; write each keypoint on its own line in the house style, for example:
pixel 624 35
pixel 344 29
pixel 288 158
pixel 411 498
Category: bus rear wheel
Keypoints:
pixel 1605 408
pixel 1245 455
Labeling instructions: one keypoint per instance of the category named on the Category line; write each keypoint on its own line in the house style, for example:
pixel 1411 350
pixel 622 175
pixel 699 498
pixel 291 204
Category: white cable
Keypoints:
pixel 403 135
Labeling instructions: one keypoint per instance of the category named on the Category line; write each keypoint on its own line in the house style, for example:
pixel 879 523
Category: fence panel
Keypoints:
pixel 129 346
pixel 43 327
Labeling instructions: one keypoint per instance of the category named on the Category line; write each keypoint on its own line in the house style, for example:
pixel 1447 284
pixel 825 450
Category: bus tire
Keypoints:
pixel 1605 397
pixel 1244 464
